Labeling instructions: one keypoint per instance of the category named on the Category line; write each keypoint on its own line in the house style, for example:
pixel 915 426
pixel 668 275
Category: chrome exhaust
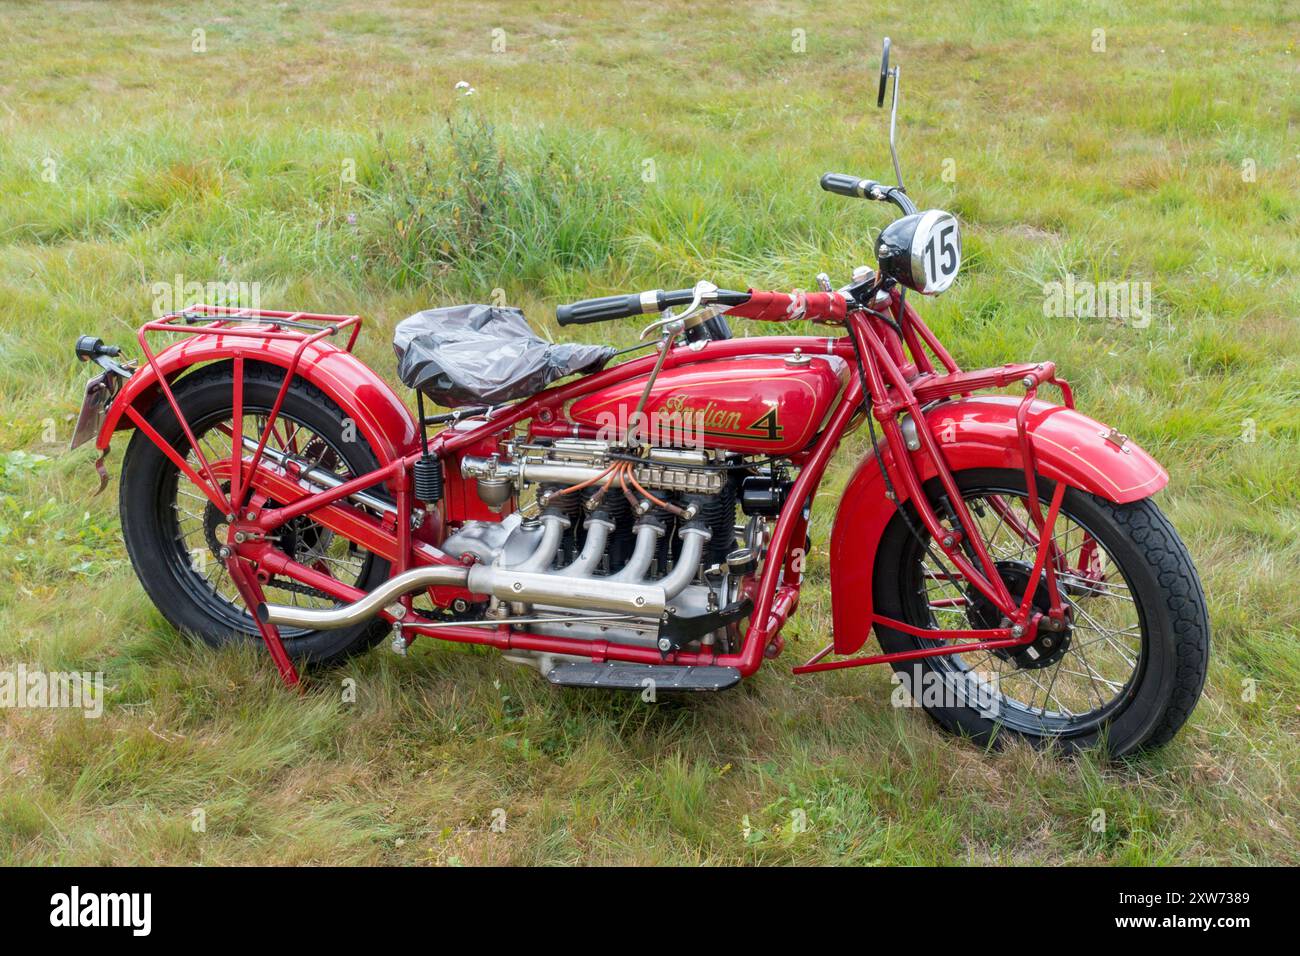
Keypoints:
pixel 553 527
pixel 643 552
pixel 532 587
pixel 593 549
pixel 362 609
pixel 586 594
pixel 688 562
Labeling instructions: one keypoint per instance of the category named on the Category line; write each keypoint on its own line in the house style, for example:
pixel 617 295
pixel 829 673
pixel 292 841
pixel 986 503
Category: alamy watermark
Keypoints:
pixel 133 911
pixel 919 687
pixel 674 424
pixel 1128 302
pixel 21 688
pixel 169 297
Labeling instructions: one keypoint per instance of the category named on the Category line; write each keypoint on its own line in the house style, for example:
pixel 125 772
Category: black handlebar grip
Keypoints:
pixel 845 185
pixel 600 310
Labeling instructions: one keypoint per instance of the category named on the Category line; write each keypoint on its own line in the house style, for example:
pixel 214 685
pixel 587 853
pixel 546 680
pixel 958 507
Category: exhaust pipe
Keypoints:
pixel 532 587
pixel 324 619
pixel 688 562
pixel 552 530
pixel 585 594
pixel 593 549
pixel 643 552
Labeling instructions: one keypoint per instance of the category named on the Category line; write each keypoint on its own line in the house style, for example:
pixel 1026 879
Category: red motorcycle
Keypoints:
pixel 1007 550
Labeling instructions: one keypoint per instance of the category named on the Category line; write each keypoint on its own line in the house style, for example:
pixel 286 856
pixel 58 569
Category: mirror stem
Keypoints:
pixel 893 119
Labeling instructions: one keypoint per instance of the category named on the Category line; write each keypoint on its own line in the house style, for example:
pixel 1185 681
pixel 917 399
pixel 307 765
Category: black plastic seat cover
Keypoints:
pixel 483 355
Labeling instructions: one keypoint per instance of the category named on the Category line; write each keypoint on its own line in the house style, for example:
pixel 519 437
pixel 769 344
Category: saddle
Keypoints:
pixel 484 355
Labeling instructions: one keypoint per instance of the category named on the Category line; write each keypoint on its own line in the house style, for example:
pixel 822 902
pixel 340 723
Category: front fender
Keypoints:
pixel 975 433
pixel 380 415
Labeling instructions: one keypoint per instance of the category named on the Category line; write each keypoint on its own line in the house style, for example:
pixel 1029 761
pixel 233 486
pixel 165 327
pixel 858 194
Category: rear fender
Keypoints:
pixel 975 433
pixel 381 417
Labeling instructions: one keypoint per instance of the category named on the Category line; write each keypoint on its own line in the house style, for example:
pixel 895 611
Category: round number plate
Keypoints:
pixel 936 251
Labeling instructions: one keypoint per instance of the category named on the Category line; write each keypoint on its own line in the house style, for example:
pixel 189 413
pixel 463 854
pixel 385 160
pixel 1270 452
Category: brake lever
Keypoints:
pixel 705 294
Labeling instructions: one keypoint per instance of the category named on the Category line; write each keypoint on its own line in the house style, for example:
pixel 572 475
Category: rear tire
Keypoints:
pixel 151 526
pixel 1158 578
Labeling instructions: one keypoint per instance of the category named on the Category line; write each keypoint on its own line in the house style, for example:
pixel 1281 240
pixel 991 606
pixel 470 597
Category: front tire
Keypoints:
pixel 173 534
pixel 1135 657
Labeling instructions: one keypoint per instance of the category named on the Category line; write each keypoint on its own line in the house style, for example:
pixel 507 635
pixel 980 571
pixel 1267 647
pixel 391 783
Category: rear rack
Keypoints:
pixel 305 327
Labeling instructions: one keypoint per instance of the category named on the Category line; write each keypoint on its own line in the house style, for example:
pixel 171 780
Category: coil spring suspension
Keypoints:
pixel 427 477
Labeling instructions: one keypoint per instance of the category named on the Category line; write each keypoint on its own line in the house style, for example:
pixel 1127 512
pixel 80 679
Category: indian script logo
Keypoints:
pixel 721 421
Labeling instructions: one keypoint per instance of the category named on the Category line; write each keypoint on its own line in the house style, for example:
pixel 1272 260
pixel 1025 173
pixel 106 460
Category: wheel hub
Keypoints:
pixel 1048 647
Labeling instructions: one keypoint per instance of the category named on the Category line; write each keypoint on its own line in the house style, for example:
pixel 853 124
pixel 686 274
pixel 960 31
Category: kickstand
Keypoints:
pixel 252 594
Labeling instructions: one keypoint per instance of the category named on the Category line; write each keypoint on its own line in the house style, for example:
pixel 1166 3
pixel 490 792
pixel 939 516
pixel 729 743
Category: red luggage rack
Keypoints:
pixel 305 328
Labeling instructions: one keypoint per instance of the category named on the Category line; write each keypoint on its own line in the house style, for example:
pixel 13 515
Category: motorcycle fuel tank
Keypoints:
pixel 770 404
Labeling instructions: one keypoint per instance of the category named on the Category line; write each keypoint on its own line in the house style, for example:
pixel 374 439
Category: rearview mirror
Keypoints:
pixel 884 74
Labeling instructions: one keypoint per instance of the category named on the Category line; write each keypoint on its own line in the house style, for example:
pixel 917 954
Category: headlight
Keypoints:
pixel 922 251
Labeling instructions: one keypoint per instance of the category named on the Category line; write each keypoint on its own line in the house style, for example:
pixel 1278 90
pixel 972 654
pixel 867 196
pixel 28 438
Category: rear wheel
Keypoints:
pixel 1124 674
pixel 174 533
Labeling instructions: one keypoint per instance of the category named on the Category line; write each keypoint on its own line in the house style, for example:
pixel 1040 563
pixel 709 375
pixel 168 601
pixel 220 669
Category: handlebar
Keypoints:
pixel 845 185
pixel 636 303
pixel 842 184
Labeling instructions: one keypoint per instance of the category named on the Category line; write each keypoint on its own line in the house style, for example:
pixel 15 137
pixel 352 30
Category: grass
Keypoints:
pixel 322 151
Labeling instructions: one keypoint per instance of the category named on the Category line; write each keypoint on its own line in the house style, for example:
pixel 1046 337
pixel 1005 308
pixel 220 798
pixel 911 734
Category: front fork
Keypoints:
pixel 962 543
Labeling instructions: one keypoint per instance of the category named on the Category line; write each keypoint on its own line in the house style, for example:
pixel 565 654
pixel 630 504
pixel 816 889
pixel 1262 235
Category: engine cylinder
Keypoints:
pixel 718 512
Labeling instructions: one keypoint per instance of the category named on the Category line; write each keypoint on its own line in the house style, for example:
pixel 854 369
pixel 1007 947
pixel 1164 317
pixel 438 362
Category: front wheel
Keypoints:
pixel 1124 675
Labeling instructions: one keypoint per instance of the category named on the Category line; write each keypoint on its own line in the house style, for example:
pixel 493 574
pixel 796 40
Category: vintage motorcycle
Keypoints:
pixel 1006 550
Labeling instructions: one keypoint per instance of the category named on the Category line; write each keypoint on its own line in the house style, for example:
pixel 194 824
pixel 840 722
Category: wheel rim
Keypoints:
pixel 197 529
pixel 1106 643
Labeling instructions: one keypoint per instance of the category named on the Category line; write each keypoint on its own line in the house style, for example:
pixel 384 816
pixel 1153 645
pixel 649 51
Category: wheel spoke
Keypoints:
pixel 1105 640
pixel 1092 676
pixel 1056 672
pixel 199 533
pixel 1096 677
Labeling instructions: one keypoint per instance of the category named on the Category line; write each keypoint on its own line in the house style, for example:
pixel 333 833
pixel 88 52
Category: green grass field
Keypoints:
pixel 322 151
